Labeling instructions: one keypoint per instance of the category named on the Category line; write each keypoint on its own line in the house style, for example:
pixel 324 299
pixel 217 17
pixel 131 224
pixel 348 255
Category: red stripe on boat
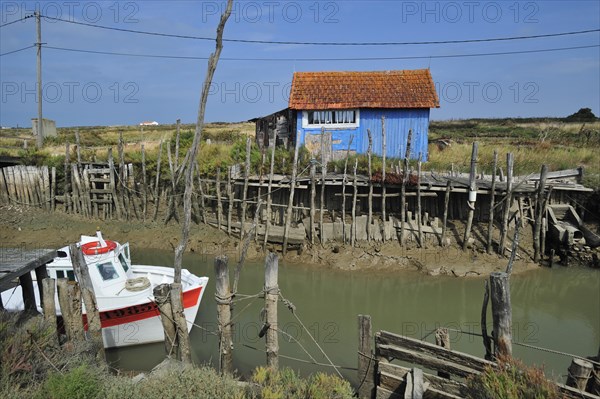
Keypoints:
pixel 145 311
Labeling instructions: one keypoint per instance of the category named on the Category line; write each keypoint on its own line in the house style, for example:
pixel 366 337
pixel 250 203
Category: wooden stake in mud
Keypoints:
pixel 172 207
pixel 178 122
pixel 49 289
pixel 202 195
pixel 501 313
pixel 183 339
pixel 288 216
pixel 157 184
pixel 219 204
pixel 405 178
pixel 144 185
pixel 113 185
pixel 67 196
pixel 230 200
pixel 344 182
pixel 323 176
pixel 539 214
pixel 579 373
pixel 89 297
pixel 442 338
pixel 487 342
pixel 78 144
pixel 245 191
pixel 472 195
pixel 313 195
pixel 354 196
pixel 492 203
pixel 269 197
pixel 122 190
pixel 223 298
pixel 271 299
pixel 419 217
pixel 507 202
pixel 53 188
pixel 383 186
pixel 162 297
pixel 366 365
pixel 72 322
pixel 445 216
pixel 370 205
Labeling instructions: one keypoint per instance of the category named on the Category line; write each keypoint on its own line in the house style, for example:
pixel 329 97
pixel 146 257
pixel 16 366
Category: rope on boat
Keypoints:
pixel 137 284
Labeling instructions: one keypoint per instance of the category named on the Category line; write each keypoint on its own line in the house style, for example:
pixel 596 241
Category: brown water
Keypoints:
pixel 553 308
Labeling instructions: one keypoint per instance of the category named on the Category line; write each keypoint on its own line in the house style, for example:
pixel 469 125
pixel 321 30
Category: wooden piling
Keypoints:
pixel 501 313
pixel 472 195
pixel 383 186
pixel 223 298
pixel 219 199
pixel 162 298
pixel 539 214
pixel 177 135
pixel 62 285
pixel 445 215
pixel 579 373
pixel 419 214
pixel 183 338
pixel 111 172
pixel 313 195
pixel 157 185
pixel 144 185
pixel 344 182
pixel 366 363
pixel 172 204
pixel 49 306
pixel 492 204
pixel 269 195
pixel 202 195
pixel 487 342
pixel 89 297
pixel 53 188
pixel 370 200
pixel 245 190
pixel 78 144
pixel 121 189
pixel 230 199
pixel 66 201
pixel 271 299
pixel 288 216
pixel 405 178
pixel 354 197
pixel 74 324
pixel 442 338
pixel 507 202
pixel 323 176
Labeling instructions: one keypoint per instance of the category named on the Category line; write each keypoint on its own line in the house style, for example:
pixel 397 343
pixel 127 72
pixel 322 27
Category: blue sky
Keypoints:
pixel 93 89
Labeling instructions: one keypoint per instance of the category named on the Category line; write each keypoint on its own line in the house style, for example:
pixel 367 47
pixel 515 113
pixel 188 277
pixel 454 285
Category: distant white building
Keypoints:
pixel 149 123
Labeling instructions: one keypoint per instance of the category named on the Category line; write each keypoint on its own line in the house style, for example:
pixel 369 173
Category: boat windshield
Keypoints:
pixel 107 271
pixel 123 262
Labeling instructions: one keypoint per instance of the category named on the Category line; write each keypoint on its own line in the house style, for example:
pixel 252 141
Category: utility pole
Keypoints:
pixel 40 124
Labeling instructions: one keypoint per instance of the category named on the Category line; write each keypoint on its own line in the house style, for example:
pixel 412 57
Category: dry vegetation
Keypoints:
pixel 559 144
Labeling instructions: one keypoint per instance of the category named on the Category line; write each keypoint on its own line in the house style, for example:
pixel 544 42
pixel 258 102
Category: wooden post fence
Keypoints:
pixel 271 299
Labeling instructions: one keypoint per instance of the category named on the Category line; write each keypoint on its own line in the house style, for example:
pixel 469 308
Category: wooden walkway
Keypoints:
pixel 17 263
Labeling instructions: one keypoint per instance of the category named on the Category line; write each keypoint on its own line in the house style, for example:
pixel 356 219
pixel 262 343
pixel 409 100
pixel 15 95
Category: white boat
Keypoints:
pixel 124 292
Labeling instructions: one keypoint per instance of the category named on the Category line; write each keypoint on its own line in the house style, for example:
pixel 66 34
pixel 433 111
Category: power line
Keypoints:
pixel 15 21
pixel 327 59
pixel 16 51
pixel 141 32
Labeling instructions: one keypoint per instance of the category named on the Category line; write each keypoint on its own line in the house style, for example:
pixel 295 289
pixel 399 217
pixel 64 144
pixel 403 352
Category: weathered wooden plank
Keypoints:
pixel 383 393
pixel 391 376
pixel 463 360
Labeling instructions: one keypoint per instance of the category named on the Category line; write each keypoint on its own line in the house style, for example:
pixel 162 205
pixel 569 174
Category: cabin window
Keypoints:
pixel 123 262
pixel 107 271
pixel 335 118
pixel 70 274
pixel 60 274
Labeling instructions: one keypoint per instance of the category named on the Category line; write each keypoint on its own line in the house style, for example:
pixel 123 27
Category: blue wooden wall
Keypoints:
pixel 397 124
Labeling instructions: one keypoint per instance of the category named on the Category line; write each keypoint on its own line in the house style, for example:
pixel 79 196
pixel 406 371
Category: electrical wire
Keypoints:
pixel 15 21
pixel 326 43
pixel 328 59
pixel 16 51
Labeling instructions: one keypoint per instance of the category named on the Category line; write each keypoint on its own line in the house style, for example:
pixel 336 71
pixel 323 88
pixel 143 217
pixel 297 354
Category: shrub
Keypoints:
pixel 511 380
pixel 287 384
pixel 81 382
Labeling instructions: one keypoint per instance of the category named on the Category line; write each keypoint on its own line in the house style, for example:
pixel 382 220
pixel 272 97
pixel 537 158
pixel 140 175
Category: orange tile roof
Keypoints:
pixel 379 89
